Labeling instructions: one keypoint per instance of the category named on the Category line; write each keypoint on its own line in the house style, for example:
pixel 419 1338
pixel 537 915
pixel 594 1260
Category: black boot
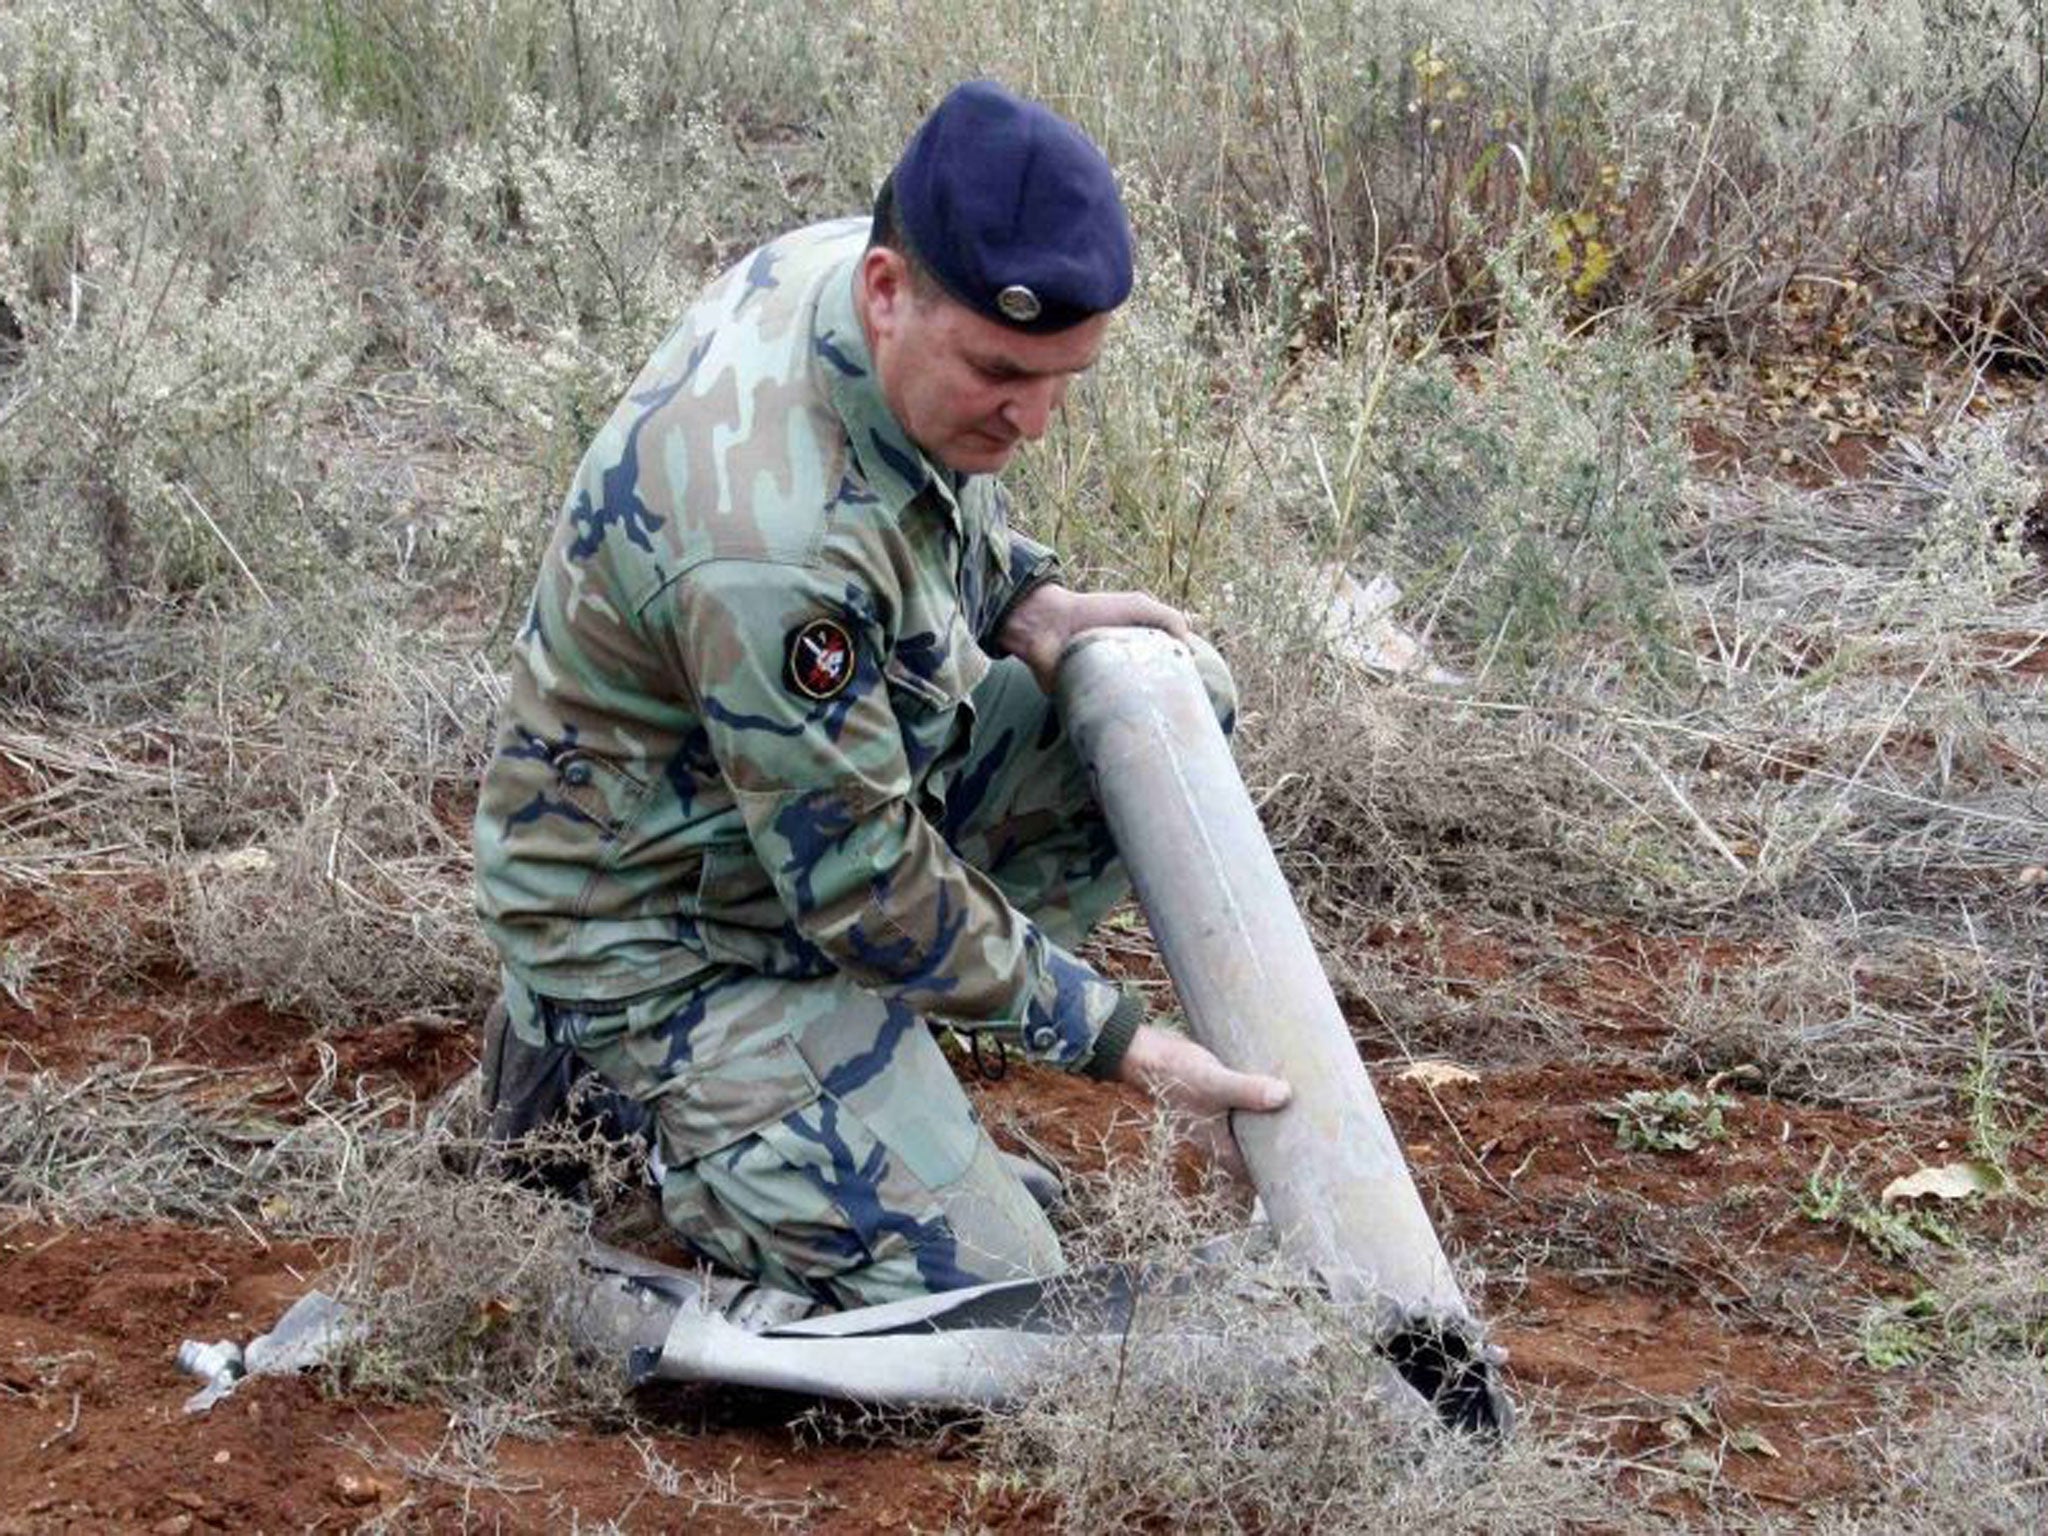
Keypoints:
pixel 549 1089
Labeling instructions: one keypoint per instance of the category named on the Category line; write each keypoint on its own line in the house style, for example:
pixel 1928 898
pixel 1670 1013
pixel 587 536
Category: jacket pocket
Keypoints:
pixel 739 912
pixel 609 801
pixel 606 794
pixel 931 697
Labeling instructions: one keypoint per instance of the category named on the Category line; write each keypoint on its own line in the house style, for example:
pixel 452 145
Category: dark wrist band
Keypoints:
pixel 1118 1030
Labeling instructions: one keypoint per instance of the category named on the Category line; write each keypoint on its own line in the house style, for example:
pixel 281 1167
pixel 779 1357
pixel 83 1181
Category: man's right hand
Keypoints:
pixel 1047 617
pixel 1188 1079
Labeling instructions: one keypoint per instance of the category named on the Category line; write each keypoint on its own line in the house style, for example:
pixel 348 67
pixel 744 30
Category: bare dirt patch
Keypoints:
pixel 1658 1294
pixel 93 1434
pixel 77 1006
pixel 235 1039
pixel 2015 653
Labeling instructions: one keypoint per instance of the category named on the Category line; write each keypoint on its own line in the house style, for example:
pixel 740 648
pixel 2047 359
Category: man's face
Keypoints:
pixel 966 389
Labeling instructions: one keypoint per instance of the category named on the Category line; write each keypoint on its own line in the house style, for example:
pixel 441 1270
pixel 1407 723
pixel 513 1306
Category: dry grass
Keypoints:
pixel 288 803
pixel 462 1286
pixel 1223 1449
pixel 467 1288
pixel 1285 1428
pixel 183 1143
pixel 315 922
pixel 1885 1027
pixel 305 311
pixel 1978 1459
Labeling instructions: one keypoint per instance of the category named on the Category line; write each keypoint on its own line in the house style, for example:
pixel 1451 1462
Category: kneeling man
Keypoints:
pixel 779 784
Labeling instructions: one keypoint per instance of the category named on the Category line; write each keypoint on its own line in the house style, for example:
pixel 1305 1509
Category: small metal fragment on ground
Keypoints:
pixel 1359 628
pixel 308 1334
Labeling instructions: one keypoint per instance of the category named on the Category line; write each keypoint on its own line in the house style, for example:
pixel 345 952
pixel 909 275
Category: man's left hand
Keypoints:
pixel 1040 626
pixel 1189 1081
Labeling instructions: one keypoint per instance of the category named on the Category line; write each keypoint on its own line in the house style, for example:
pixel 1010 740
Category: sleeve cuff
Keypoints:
pixel 1115 1037
pixel 1044 569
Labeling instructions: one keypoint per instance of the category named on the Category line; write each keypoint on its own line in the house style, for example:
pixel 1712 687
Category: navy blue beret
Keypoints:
pixel 1013 209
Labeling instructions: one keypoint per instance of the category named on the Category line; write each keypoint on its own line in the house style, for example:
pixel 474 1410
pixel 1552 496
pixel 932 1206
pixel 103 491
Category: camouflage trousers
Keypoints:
pixel 813 1134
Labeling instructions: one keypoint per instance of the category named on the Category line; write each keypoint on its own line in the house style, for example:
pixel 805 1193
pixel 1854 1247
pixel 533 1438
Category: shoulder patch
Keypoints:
pixel 818 659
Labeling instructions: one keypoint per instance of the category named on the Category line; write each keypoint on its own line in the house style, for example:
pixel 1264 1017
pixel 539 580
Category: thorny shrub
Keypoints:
pixel 1527 502
pixel 1979 490
pixel 316 925
pixel 164 447
pixel 1237 1401
pixel 1522 500
pixel 1142 1438
pixel 465 1290
pixel 556 169
pixel 299 803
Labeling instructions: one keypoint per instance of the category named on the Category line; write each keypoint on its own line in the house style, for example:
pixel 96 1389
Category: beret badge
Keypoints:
pixel 1019 303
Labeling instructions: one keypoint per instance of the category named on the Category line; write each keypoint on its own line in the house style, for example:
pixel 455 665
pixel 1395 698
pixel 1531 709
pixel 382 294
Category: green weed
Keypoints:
pixel 1980 1307
pixel 1997 1130
pixel 1897 1234
pixel 1668 1119
pixel 1895 1336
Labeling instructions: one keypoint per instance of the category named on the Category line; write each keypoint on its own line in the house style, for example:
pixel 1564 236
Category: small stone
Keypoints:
pixel 185 1498
pixel 172 1525
pixel 351 1489
pixel 222 1458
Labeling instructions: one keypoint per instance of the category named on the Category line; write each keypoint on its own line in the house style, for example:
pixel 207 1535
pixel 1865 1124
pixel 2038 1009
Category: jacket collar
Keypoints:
pixel 894 467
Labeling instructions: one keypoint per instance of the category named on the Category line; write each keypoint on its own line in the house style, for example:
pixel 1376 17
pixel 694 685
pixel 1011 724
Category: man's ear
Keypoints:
pixel 885 277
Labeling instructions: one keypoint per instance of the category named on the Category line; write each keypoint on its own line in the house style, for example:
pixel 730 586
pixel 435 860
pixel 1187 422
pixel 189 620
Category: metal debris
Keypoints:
pixel 308 1334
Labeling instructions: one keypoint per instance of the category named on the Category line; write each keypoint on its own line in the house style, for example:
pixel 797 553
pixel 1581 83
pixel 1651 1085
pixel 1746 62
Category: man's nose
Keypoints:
pixel 1030 409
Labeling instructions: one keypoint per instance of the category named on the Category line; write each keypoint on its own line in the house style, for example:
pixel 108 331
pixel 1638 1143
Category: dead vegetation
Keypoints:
pixel 1290 1428
pixel 293 802
pixel 176 1142
pixel 466 1289
pixel 459 1284
pixel 1240 1444
pixel 1679 367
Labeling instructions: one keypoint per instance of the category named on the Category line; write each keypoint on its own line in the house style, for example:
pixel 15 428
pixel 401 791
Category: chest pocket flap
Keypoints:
pixel 935 674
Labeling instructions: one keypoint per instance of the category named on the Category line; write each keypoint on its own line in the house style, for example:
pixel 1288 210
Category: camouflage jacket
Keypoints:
pixel 744 679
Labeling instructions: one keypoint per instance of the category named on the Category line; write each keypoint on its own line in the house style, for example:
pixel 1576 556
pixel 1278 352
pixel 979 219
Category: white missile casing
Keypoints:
pixel 1331 1174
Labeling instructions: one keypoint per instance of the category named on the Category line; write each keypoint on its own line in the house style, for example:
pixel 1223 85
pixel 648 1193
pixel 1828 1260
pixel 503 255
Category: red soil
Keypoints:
pixel 93 1435
pixel 1694 1344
